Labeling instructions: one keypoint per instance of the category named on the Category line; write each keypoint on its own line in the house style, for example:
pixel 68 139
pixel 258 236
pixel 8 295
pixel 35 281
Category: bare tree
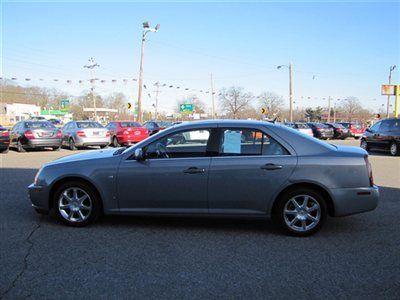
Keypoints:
pixel 350 106
pixel 234 100
pixel 272 102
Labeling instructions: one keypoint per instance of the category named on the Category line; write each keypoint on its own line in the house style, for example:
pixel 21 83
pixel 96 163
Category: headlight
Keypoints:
pixel 37 176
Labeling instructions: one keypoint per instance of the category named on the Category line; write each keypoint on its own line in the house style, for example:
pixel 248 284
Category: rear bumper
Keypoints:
pixel 39 197
pixel 39 143
pixel 128 139
pixel 93 141
pixel 350 201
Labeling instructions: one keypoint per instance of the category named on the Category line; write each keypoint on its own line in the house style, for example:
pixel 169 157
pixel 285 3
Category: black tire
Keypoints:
pixel 364 145
pixel 356 137
pixel 56 148
pixel 103 146
pixel 280 220
pixel 115 142
pixel 394 149
pixel 71 144
pixel 4 151
pixel 96 207
pixel 20 148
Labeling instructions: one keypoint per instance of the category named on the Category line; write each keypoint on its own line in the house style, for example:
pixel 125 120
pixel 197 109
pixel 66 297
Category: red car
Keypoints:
pixel 355 130
pixel 126 132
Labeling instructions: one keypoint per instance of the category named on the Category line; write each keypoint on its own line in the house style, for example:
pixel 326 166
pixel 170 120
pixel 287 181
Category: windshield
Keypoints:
pixel 302 126
pixel 38 125
pixel 129 124
pixel 88 125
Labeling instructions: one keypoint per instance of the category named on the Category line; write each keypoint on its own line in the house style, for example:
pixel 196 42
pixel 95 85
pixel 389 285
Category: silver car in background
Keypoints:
pixel 243 169
pixel 76 134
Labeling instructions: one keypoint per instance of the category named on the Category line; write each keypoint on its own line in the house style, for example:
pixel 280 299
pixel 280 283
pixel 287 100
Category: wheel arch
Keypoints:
pixel 63 180
pixel 323 191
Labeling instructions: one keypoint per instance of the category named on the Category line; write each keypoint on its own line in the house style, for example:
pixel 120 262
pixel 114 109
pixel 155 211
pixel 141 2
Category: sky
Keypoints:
pixel 337 49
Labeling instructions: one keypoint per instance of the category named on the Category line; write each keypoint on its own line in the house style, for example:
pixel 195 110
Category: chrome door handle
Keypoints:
pixel 269 167
pixel 194 170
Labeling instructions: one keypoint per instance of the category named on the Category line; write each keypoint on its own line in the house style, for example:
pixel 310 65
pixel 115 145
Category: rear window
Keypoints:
pixel 88 125
pixel 129 124
pixel 345 125
pixel 302 126
pixel 38 125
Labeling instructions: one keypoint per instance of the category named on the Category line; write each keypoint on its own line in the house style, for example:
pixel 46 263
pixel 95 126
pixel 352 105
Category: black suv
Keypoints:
pixel 383 135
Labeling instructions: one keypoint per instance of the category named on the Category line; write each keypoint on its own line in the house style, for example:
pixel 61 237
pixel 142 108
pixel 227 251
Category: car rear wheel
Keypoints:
pixel 394 149
pixel 72 146
pixel 300 212
pixel 76 204
pixel 364 145
pixel 356 137
pixel 20 148
pixel 56 148
pixel 4 151
pixel 115 142
pixel 103 146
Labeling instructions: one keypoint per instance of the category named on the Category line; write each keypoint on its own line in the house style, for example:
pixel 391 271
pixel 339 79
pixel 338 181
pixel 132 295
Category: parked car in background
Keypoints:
pixel 384 135
pixel 356 130
pixel 321 131
pixel 126 133
pixel 76 134
pixel 301 127
pixel 37 118
pixel 155 126
pixel 26 135
pixel 55 122
pixel 4 139
pixel 227 174
pixel 339 131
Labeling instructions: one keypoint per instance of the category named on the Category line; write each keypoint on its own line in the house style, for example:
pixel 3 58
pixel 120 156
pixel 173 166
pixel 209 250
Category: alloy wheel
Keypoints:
pixel 393 149
pixel 302 213
pixel 75 205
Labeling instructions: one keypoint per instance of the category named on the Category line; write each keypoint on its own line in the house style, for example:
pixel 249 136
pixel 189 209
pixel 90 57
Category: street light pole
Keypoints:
pixel 91 66
pixel 212 97
pixel 290 67
pixel 146 30
pixel 388 99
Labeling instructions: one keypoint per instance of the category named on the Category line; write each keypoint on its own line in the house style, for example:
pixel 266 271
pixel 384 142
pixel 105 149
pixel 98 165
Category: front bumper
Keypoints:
pixel 39 197
pixel 350 201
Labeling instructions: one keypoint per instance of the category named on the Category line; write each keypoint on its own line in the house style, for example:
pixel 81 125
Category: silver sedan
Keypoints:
pixel 77 134
pixel 244 169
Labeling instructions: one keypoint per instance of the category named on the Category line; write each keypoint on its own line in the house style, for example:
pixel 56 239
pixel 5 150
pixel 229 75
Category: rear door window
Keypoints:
pixel 249 142
pixel 384 125
pixel 394 125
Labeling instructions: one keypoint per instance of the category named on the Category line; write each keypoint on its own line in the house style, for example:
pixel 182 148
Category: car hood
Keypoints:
pixel 352 150
pixel 88 155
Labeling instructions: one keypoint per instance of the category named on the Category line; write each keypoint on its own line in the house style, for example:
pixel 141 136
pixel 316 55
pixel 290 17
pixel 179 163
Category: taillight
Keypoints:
pixel 107 134
pixel 5 133
pixel 125 132
pixel 29 134
pixel 319 129
pixel 81 133
pixel 369 170
pixel 59 134
pixel 338 130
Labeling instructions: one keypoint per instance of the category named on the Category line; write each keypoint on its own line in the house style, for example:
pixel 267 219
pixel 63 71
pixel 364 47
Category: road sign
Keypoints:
pixel 388 89
pixel 129 105
pixel 187 107
pixel 64 105
pixel 263 110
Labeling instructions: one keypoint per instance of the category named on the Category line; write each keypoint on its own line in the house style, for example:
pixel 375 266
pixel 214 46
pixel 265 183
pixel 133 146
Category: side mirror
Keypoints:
pixel 368 129
pixel 139 155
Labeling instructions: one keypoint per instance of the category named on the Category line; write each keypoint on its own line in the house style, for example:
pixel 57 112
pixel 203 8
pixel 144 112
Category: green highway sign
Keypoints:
pixel 187 107
pixel 64 105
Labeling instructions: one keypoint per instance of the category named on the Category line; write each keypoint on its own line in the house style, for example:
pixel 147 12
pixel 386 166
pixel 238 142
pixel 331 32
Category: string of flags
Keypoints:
pixel 126 80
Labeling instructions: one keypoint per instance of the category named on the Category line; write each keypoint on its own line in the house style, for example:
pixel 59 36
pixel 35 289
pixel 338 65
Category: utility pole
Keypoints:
pixel 329 109
pixel 92 64
pixel 157 84
pixel 212 97
pixel 291 91
pixel 146 30
pixel 388 99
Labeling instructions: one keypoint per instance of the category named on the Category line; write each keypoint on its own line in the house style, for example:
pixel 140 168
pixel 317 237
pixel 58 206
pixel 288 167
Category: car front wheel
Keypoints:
pixel 300 212
pixel 394 149
pixel 76 204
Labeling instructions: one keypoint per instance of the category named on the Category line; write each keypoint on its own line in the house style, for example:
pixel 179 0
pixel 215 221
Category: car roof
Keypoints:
pixel 227 122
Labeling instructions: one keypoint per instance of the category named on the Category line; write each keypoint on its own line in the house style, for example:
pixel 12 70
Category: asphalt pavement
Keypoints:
pixel 180 258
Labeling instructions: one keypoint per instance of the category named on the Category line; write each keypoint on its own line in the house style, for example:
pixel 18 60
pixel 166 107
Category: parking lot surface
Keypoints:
pixel 152 258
